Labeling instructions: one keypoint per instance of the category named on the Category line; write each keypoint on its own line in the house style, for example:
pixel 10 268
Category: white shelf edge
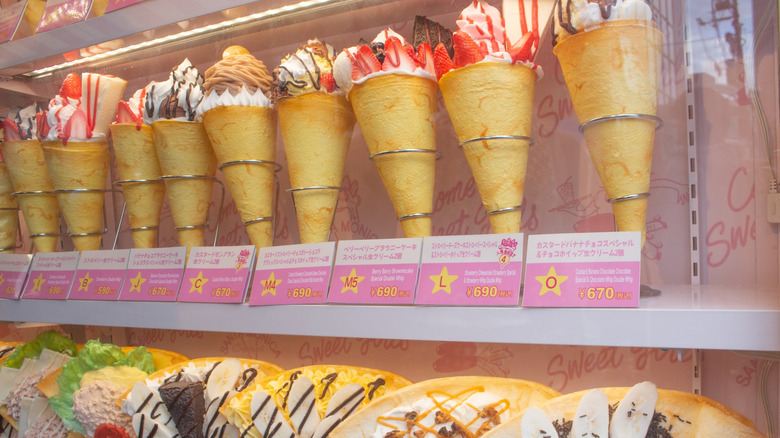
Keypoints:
pixel 720 328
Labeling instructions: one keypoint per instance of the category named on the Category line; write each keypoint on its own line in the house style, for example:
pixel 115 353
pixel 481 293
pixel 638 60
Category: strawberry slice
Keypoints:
pixel 327 82
pixel 522 50
pixel 110 430
pixel 442 61
pixel 364 63
pixel 396 57
pixel 77 128
pixel 412 54
pixel 10 131
pixel 71 87
pixel 467 52
pixel 41 125
pixel 425 58
pixel 124 114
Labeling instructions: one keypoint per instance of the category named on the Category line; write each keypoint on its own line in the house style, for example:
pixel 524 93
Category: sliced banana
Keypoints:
pixel 151 417
pixel 635 412
pixel 301 407
pixel 145 427
pixel 267 418
pixel 346 400
pixel 223 378
pixel 216 424
pixel 326 426
pixel 536 424
pixel 592 417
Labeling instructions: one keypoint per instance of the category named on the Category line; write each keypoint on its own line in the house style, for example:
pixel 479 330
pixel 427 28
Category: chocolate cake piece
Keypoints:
pixel 433 33
pixel 187 405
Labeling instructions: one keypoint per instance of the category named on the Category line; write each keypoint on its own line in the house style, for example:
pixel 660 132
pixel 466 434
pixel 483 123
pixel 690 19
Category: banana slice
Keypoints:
pixel 326 426
pixel 535 424
pixel 346 400
pixel 592 418
pixel 635 412
pixel 216 424
pixel 267 418
pixel 223 378
pixel 302 408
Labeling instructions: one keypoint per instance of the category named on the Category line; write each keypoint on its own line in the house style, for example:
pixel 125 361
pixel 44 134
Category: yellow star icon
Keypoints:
pixel 137 282
pixel 38 282
pixel 84 282
pixel 443 281
pixel 269 285
pixel 197 283
pixel 2 278
pixel 351 282
pixel 551 282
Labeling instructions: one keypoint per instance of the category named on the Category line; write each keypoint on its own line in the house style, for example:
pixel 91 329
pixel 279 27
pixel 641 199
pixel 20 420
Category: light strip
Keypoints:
pixel 308 4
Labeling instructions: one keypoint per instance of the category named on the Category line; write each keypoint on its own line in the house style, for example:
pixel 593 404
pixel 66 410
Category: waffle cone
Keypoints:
pixel 247 133
pixel 136 159
pixel 80 165
pixel 614 70
pixel 183 148
pixel 28 172
pixel 317 129
pixel 9 219
pixel 477 98
pixel 396 112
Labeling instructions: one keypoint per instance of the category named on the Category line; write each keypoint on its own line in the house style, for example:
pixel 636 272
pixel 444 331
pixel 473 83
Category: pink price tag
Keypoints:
pixel 99 275
pixel 59 13
pixel 10 17
pixel 583 270
pixel 51 275
pixel 477 270
pixel 217 274
pixel 13 272
pixel 153 274
pixel 113 5
pixel 292 274
pixel 380 271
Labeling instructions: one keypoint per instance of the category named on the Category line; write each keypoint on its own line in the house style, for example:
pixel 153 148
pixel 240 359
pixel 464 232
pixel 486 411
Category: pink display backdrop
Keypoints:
pixel 59 13
pixel 113 5
pixel 10 17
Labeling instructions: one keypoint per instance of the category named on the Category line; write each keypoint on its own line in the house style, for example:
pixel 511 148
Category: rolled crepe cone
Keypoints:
pixel 136 159
pixel 609 71
pixel 28 172
pixel 80 165
pixel 9 219
pixel 396 112
pixel 492 99
pixel 247 133
pixel 183 148
pixel 317 129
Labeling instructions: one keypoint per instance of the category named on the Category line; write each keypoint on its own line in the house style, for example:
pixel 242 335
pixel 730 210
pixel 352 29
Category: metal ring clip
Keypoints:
pixel 658 122
pixel 33 192
pixel 137 181
pixel 413 216
pixel 401 151
pixel 260 219
pixel 300 189
pixel 530 140
pixel 628 197
pixel 277 166
pixel 504 210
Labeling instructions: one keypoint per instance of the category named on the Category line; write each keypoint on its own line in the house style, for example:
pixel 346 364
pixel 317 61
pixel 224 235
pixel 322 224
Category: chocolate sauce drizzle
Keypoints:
pixel 294 376
pixel 373 386
pixel 564 20
pixel 170 104
pixel 327 381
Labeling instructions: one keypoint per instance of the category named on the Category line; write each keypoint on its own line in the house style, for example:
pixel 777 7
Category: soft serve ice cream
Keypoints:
pixel 177 97
pixel 573 16
pixel 237 79
pixel 309 69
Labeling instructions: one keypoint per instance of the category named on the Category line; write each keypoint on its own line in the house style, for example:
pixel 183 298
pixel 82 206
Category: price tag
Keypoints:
pixel 10 17
pixel 13 272
pixel 217 274
pixel 59 13
pixel 480 270
pixel 113 5
pixel 380 271
pixel 51 275
pixel 153 274
pixel 99 275
pixel 583 270
pixel 292 274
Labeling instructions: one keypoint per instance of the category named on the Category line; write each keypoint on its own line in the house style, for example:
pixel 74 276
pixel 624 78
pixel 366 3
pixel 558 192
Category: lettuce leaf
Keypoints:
pixel 94 356
pixel 49 339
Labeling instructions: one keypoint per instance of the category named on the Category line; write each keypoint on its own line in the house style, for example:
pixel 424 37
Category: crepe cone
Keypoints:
pixel 80 165
pixel 317 129
pixel 137 160
pixel 183 148
pixel 28 172
pixel 247 133
pixel 9 219
pixel 614 70
pixel 396 112
pixel 493 99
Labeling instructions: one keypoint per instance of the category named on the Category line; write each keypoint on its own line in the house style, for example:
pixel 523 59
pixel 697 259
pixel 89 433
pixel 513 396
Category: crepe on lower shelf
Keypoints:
pixel 309 401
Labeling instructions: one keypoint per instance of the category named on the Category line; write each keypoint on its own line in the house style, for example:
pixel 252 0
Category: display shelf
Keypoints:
pixel 682 317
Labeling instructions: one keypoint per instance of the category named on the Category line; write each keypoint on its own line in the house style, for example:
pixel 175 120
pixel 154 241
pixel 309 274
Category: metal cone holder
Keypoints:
pixel 499 137
pixel 658 125
pixel 277 168
pixel 124 208
pixel 221 203
pixel 303 189
pixel 408 151
pixel 32 193
pixel 105 221
pixel 18 228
